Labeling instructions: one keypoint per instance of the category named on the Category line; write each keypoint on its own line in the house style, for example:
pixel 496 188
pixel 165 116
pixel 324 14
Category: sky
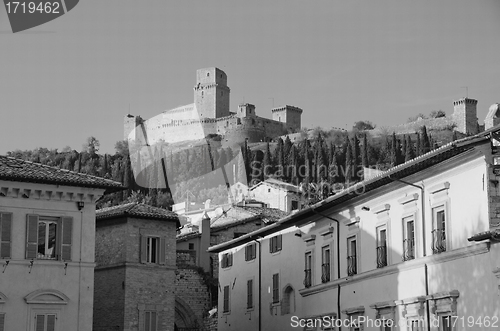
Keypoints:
pixel 340 61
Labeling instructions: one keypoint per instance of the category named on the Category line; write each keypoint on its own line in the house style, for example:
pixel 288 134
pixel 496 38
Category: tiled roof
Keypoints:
pixel 236 215
pixel 408 168
pixel 138 210
pixel 18 170
pixel 279 184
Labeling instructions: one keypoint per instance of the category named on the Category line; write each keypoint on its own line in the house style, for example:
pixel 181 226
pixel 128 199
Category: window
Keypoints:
pixel 308 270
pixel 408 238
pixel 250 252
pixel 288 302
pixel 325 264
pixel 227 260
pixel 438 230
pixel 45 322
pixel 48 238
pixel 275 244
pixel 276 288
pixel 152 249
pixel 381 247
pixel 2 321
pixel 208 74
pixel 295 205
pixel 150 321
pixel 5 236
pixel 226 299
pixel 249 293
pixel 352 267
pixel 191 246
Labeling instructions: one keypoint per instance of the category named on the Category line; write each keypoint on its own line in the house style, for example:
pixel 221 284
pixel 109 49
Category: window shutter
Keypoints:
pixel 51 322
pixel 279 242
pixel 246 253
pixel 144 253
pixel 163 250
pixel 153 321
pixel 271 241
pixel 32 237
pixel 40 323
pixel 67 233
pixel 2 322
pixel 6 234
pixel 230 259
pixel 147 321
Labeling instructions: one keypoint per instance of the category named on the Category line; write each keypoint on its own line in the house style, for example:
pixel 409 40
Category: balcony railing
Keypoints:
pixel 325 272
pixel 409 249
pixel 308 278
pixel 438 241
pixel 381 256
pixel 351 265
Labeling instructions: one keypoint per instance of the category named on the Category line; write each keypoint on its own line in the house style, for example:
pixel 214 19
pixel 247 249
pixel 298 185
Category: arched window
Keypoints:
pixel 288 303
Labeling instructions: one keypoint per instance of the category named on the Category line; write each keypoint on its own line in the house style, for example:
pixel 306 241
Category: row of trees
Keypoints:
pixel 334 158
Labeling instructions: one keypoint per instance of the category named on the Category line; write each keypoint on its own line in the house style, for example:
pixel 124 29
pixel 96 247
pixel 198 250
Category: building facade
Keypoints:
pixel 135 268
pixel 47 237
pixel 414 248
pixel 277 194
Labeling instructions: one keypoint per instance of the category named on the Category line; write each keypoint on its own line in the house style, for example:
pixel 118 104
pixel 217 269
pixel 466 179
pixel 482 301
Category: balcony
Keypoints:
pixel 351 265
pixel 308 278
pixel 325 272
pixel 408 249
pixel 381 256
pixel 438 241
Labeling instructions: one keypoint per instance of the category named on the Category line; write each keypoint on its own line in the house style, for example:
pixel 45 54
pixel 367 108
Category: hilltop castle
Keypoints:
pixel 210 114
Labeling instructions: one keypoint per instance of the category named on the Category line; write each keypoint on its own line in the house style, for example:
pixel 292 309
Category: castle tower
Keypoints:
pixel 246 110
pixel 465 115
pixel 130 122
pixel 289 115
pixel 211 94
pixel 493 117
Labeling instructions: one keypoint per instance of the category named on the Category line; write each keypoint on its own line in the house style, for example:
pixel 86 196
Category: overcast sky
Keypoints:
pixel 340 61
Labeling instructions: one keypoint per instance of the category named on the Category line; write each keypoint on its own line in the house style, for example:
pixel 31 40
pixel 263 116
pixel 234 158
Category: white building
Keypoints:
pixel 414 247
pixel 47 237
pixel 276 194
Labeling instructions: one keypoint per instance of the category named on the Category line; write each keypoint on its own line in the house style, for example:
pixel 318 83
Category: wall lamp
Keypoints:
pixel 365 208
pixel 80 205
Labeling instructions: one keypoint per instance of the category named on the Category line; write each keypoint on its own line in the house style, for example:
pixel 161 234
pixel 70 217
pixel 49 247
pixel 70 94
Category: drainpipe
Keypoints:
pixel 260 290
pixel 338 260
pixel 422 201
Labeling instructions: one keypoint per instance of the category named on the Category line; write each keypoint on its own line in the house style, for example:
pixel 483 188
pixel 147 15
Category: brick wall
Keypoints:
pixel 109 296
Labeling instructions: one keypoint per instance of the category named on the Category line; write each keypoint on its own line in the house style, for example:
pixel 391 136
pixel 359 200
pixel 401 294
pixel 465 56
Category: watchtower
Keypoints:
pixel 130 122
pixel 211 94
pixel 289 115
pixel 246 110
pixel 465 115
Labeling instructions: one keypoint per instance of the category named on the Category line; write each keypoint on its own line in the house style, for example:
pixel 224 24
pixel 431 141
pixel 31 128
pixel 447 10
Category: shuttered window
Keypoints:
pixel 45 322
pixel 153 249
pixel 49 238
pixel 249 293
pixel 2 322
pixel 276 285
pixel 275 244
pixel 5 236
pixel 150 321
pixel 226 299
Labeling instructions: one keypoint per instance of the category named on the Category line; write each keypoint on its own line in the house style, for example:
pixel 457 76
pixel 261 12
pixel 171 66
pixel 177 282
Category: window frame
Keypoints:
pixel 226 302
pixel 149 327
pixel 34 312
pixel 308 268
pixel 356 254
pixel 410 218
pixel 145 250
pixel 227 260
pixel 384 260
pixel 275 244
pixel 324 249
pixel 276 288
pixel 6 221
pixel 250 252
pixel 437 226
pixel 250 297
pixel 63 237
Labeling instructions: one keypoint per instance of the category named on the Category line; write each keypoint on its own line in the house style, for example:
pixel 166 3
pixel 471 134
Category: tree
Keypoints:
pixel 257 171
pixel 418 146
pixel 356 158
pixel 348 160
pixel 425 144
pixel 268 162
pixel 279 160
pixel 410 154
pixel 437 114
pixel 364 154
pixel 363 126
pixel 92 147
pixel 293 166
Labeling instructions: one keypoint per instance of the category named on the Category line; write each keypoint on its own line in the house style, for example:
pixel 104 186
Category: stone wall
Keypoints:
pixel 109 299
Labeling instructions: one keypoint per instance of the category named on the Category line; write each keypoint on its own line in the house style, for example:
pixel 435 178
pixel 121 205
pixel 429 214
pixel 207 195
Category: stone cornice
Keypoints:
pixel 408 198
pixel 51 193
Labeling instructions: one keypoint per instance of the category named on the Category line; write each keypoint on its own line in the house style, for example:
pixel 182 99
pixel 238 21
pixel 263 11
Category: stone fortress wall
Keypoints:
pixel 209 114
